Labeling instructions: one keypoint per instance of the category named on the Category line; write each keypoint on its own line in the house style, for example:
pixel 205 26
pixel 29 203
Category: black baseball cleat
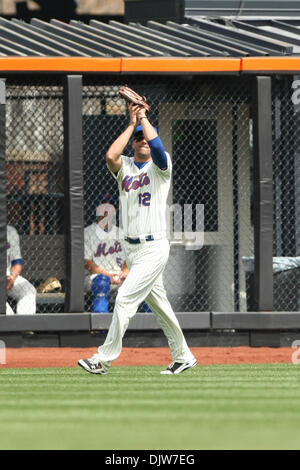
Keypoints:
pixel 179 367
pixel 93 365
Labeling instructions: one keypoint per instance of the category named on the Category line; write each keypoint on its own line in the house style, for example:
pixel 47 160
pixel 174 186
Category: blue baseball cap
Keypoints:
pixel 106 197
pixel 140 129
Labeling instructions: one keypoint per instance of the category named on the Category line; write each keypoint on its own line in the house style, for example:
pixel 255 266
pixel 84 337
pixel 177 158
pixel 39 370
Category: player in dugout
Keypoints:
pixel 18 288
pixel 104 256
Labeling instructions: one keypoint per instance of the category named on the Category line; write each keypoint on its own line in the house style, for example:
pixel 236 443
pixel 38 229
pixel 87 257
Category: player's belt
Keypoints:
pixel 148 238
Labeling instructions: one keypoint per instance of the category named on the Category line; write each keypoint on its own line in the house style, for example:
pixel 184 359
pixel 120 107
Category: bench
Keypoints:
pixel 50 298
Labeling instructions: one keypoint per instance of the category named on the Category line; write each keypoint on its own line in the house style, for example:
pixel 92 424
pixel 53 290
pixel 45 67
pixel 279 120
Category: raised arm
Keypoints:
pixel 157 149
pixel 113 155
pixel 148 130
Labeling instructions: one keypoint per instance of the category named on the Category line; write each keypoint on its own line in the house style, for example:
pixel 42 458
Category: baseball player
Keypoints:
pixel 144 183
pixel 18 287
pixel 104 256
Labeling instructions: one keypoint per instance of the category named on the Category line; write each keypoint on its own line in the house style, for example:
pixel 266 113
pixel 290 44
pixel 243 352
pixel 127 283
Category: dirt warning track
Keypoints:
pixel 68 357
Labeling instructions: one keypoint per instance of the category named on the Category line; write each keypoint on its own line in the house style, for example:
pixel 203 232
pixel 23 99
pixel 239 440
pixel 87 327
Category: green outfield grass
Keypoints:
pixel 209 407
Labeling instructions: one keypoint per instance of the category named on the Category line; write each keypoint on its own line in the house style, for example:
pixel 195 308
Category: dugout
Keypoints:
pixel 227 111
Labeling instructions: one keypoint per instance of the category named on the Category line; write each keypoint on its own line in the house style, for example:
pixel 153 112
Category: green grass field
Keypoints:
pixel 209 407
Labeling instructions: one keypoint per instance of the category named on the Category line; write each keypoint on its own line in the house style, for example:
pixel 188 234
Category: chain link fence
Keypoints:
pixel 205 124
pixel 34 162
pixel 286 167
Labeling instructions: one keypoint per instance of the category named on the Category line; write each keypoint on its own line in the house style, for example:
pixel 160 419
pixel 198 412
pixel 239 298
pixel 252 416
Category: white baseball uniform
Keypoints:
pixel 23 291
pixel 105 250
pixel 143 195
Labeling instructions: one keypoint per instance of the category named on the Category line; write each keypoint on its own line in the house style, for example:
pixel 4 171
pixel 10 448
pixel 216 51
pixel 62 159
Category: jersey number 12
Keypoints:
pixel 144 199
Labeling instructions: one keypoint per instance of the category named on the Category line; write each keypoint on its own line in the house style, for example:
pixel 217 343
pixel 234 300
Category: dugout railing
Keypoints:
pixel 230 126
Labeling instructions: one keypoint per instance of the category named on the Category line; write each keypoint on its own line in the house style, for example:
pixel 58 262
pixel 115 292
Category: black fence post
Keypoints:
pixel 3 234
pixel 73 176
pixel 263 194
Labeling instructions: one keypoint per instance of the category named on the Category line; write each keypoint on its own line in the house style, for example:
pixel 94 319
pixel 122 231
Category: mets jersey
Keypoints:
pixel 143 197
pixel 103 248
pixel 13 248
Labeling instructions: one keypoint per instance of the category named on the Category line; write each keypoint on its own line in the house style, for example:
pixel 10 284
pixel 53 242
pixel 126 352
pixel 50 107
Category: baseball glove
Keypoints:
pixel 132 97
pixel 51 284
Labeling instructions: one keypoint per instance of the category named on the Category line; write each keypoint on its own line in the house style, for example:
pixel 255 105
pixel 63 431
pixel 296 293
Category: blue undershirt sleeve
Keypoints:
pixel 158 153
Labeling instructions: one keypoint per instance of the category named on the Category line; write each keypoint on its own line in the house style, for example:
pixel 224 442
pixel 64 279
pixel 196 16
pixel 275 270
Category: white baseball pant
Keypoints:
pixel 24 293
pixel 144 282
